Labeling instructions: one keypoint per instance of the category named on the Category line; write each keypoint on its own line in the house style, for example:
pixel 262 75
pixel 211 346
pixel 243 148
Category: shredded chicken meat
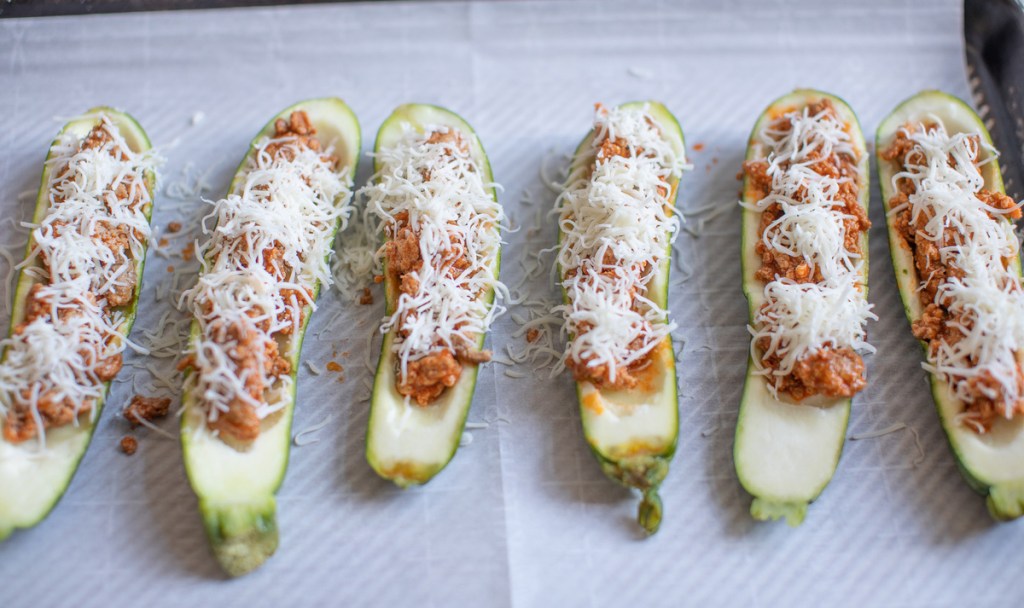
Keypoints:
pixel 146 408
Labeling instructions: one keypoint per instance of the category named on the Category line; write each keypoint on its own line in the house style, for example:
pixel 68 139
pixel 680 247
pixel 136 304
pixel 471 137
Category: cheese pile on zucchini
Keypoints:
pixel 431 200
pixel 73 308
pixel 821 306
pixel 964 246
pixel 84 258
pixel 617 224
pixel 266 254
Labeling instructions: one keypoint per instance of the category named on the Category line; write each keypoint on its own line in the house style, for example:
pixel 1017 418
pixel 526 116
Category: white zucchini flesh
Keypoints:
pixel 786 453
pixel 993 463
pixel 622 423
pixel 32 481
pixel 236 487
pixel 633 433
pixel 405 443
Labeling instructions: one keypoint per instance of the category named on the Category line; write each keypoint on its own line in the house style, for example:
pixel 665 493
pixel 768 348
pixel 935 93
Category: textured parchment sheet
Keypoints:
pixel 522 516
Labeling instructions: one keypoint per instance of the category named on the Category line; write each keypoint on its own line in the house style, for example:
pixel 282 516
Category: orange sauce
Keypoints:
pixel 649 378
pixel 593 402
pixel 638 447
pixel 404 471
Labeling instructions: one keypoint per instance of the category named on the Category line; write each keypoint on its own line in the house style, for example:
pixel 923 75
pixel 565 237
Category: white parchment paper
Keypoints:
pixel 522 517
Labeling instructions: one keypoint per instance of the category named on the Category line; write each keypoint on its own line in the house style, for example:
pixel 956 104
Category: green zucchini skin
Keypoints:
pixel 789 499
pixel 242 536
pixel 1002 486
pixel 646 469
pixel 444 420
pixel 136 136
pixel 240 521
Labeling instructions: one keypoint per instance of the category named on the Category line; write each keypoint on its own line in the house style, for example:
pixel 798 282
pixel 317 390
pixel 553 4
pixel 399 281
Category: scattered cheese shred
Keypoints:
pixel 300 438
pixel 896 426
pixel 892 428
pixel 356 261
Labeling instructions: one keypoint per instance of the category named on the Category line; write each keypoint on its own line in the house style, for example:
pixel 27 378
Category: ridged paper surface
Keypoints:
pixel 523 516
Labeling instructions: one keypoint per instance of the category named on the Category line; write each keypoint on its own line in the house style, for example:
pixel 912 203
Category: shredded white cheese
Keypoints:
pixel 441 189
pixel 987 302
pixel 356 262
pixel 800 318
pixel 299 439
pixel 55 356
pixel 896 426
pixel 291 199
pixel 8 256
pixel 617 225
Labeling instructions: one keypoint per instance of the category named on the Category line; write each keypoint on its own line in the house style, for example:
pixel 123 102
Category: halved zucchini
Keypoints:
pixel 993 463
pixel 786 453
pixel 31 483
pixel 633 432
pixel 407 444
pixel 236 488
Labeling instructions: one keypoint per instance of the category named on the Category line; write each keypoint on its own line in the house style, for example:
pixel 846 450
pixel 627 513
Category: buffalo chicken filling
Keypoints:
pixel 811 225
pixel 261 267
pixel 439 250
pixel 617 222
pixel 962 248
pixel 84 263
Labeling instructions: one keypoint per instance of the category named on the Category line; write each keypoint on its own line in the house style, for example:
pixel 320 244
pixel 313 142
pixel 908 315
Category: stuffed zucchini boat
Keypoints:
pixel 958 269
pixel 74 305
pixel 262 268
pixel 805 270
pixel 435 201
pixel 617 222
